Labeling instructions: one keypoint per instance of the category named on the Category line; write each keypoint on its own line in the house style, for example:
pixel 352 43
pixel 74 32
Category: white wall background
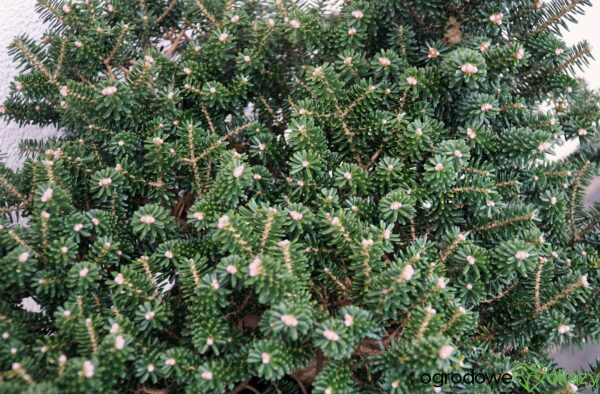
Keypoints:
pixel 16 17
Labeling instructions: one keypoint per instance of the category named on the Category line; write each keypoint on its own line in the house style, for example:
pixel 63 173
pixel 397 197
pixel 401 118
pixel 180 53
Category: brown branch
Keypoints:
pixel 555 18
pixel 572 200
pixel 169 52
pixel 502 294
pixel 167 11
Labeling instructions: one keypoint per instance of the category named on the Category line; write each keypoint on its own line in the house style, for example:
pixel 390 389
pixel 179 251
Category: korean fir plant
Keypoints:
pixel 288 197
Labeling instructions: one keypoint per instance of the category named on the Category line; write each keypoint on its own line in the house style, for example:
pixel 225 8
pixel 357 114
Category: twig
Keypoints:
pixel 169 52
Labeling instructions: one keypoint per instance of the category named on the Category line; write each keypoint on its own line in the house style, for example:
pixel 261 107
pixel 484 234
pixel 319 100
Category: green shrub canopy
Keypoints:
pixel 287 197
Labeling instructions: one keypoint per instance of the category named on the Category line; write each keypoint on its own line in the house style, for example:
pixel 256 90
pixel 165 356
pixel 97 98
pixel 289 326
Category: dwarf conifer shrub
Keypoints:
pixel 284 197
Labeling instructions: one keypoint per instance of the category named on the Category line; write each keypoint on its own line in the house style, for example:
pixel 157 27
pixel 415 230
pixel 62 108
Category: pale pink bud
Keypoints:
pixel 445 352
pixel 255 267
pixel 407 273
pixel 289 320
pixel 433 53
pixel 412 81
pixel 88 369
pixel 296 215
pixel 331 335
pixel 496 18
pixel 357 14
pixel 395 205
pixel 384 61
pixel 207 375
pixel 521 255
pixel 147 219
pixel 223 222
pixel 563 329
pixel 47 195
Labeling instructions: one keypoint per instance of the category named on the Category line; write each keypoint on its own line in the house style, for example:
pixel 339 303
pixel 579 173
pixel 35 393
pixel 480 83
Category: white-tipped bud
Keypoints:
pixel 407 273
pixel 520 54
pixel 223 222
pixel 47 195
pixel 109 90
pixel 563 329
pixel 289 320
pixel 331 335
pixel 412 81
pixel 432 53
pixel 88 369
pixel 147 219
pixel 544 146
pixel 367 243
pixel 119 342
pixel 469 69
pixel 104 182
pixel 496 18
pixel 119 279
pixel 238 171
pixel 396 205
pixel 255 267
pixel 231 269
pixel 522 255
pixel 23 257
pixel 206 375
pixel 296 215
pixel 445 352
pixel 357 14
pixel 265 357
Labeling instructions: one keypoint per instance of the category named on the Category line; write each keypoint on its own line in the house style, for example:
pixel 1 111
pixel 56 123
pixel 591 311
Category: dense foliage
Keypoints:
pixel 289 197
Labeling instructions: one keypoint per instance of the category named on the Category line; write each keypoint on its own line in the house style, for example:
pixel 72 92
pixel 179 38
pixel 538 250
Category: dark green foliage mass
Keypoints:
pixel 288 197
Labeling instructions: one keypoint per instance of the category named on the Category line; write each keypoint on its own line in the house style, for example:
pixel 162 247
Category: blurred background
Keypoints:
pixel 19 17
